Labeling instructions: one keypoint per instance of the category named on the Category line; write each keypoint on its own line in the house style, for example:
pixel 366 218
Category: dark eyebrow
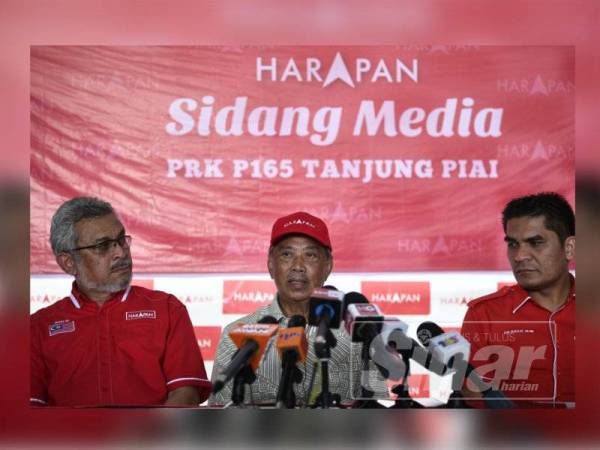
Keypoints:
pixel 289 247
pixel 537 237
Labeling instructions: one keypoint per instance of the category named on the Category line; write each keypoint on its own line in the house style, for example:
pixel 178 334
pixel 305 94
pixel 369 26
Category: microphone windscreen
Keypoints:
pixel 268 319
pixel 428 330
pixel 350 298
pixel 293 337
pixel 297 321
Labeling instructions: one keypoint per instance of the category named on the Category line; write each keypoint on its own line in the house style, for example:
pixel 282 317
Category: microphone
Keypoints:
pixel 365 323
pixel 292 347
pixel 363 320
pixel 325 307
pixel 454 350
pixel 251 341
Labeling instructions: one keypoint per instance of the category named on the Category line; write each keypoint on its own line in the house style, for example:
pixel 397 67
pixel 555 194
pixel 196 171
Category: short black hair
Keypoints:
pixel 558 214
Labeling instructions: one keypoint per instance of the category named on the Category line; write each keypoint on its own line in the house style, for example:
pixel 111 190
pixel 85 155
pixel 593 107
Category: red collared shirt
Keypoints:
pixel 525 350
pixel 132 350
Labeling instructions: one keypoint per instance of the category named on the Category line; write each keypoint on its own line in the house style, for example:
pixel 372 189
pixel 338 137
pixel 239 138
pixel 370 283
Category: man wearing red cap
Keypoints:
pixel 300 260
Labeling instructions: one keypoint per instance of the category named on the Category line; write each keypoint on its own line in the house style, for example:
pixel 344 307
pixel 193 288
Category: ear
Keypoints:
pixel 67 263
pixel 570 248
pixel 270 265
pixel 327 269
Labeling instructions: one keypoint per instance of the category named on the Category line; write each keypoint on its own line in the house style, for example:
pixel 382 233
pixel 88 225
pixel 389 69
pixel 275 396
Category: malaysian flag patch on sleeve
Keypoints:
pixel 62 326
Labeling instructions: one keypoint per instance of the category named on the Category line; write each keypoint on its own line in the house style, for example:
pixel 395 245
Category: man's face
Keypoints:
pixel 101 270
pixel 536 255
pixel 298 265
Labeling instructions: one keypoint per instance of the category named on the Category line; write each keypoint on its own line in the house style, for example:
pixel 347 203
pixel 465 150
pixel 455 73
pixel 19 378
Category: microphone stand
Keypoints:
pixel 366 401
pixel 323 353
pixel 245 376
pixel 286 397
pixel 403 399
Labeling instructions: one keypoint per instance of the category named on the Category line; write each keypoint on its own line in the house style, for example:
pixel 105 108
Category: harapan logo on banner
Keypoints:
pixel 418 146
pixel 246 296
pixel 399 297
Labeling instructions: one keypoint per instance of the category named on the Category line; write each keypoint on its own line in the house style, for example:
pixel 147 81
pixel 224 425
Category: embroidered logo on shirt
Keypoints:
pixel 62 326
pixel 134 315
pixel 518 331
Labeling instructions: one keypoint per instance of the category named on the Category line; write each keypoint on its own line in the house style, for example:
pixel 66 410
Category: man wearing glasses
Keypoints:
pixel 109 343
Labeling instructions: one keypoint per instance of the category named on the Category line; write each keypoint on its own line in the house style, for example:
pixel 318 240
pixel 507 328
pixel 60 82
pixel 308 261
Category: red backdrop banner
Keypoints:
pixel 409 153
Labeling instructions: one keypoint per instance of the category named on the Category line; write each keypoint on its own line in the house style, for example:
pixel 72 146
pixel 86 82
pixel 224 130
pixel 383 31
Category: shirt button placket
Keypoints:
pixel 104 358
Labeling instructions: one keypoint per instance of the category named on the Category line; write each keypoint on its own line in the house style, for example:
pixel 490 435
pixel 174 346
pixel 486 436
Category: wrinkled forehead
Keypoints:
pixel 97 228
pixel 298 242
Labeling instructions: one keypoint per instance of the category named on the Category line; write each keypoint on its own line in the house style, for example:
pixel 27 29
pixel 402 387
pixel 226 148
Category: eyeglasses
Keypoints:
pixel 102 248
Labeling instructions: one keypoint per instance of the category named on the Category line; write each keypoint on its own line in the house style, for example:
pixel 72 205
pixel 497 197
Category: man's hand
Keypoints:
pixel 183 396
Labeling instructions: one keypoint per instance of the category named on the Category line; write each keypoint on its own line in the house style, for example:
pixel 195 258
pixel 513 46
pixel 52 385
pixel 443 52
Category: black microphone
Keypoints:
pixel 365 323
pixel 325 307
pixel 363 320
pixel 452 349
pixel 251 340
pixel 292 346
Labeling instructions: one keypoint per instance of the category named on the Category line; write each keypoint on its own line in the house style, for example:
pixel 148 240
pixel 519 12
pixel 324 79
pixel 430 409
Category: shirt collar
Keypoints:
pixel 274 310
pixel 523 297
pixel 78 298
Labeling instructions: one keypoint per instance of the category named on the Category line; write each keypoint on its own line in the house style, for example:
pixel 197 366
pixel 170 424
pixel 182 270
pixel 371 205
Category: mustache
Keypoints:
pixel 297 278
pixel 125 264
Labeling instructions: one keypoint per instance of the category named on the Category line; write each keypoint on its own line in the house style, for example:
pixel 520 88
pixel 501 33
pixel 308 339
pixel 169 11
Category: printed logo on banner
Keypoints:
pixel 351 71
pixel 246 296
pixel 418 386
pixel 347 213
pixel 448 49
pixel 193 299
pixel 399 297
pixel 208 340
pixel 442 245
pixel 461 300
pixel 45 299
pixel 113 81
pixel 537 85
pixel 241 247
pixel 542 151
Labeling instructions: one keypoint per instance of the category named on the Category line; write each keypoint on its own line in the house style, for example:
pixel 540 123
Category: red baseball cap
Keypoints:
pixel 301 223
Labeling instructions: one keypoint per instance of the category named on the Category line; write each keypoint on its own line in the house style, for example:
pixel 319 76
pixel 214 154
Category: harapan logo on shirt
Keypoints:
pixel 61 326
pixel 518 331
pixel 135 315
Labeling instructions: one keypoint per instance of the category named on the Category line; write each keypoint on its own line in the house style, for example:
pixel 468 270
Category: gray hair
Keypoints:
pixel 63 237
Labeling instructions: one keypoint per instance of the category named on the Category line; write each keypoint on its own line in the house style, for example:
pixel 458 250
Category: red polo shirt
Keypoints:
pixel 525 350
pixel 132 350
